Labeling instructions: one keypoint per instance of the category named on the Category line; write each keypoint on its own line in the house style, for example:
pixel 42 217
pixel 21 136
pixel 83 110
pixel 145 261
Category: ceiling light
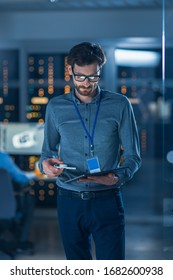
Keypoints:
pixel 136 58
pixel 53 1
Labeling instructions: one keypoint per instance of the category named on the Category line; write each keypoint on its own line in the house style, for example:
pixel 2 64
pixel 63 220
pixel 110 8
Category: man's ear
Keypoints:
pixel 69 68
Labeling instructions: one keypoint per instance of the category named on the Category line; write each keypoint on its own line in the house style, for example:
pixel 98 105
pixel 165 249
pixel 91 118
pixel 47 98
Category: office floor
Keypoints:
pixel 147 236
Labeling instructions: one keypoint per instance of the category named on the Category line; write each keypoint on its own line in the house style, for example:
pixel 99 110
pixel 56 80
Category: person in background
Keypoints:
pixel 86 130
pixel 25 202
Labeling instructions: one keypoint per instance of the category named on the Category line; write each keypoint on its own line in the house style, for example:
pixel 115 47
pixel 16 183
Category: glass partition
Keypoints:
pixel 167 129
pixel 145 75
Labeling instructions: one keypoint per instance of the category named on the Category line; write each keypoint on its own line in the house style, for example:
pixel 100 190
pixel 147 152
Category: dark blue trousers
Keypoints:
pixel 101 218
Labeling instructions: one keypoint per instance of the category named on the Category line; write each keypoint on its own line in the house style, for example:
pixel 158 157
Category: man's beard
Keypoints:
pixel 85 91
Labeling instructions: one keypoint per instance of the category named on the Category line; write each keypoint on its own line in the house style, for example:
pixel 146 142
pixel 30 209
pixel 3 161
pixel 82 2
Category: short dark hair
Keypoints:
pixel 86 53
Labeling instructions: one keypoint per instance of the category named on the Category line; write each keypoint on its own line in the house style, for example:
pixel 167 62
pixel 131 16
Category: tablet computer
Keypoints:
pixel 85 175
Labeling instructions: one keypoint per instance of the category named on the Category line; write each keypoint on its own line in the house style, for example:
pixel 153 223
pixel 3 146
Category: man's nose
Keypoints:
pixel 86 81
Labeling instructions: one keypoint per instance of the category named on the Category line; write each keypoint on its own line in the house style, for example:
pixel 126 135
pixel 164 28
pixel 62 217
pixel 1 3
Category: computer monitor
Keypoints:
pixel 21 138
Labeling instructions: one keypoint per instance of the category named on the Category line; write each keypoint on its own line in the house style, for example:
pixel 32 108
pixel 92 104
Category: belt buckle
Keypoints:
pixel 87 195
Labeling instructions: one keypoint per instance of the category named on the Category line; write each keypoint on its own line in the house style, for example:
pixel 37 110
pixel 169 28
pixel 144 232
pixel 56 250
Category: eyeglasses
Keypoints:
pixel 82 78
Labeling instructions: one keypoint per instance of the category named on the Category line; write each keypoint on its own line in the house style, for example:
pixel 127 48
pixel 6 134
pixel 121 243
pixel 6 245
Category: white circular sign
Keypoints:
pixel 170 156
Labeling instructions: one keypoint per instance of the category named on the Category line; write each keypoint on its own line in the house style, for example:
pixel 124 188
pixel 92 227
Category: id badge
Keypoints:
pixel 93 165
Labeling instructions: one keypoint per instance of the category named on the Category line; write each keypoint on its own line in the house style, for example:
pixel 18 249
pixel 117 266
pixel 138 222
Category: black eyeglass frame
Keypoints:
pixel 86 77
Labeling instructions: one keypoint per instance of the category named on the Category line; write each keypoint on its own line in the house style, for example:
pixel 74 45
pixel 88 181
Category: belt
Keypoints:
pixel 87 195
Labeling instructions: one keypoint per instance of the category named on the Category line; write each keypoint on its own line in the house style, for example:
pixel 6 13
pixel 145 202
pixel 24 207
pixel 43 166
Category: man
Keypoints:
pixel 25 204
pixel 15 172
pixel 86 130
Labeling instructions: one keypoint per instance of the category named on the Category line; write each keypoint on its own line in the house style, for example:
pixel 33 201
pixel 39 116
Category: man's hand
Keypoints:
pixel 110 179
pixel 49 169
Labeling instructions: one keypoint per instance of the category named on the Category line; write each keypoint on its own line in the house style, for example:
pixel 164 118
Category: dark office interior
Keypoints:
pixel 137 38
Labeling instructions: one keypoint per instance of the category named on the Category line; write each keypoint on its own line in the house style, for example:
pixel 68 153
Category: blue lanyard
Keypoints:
pixel 90 137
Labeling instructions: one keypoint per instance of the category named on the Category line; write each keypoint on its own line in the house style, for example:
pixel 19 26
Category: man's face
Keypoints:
pixel 85 86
